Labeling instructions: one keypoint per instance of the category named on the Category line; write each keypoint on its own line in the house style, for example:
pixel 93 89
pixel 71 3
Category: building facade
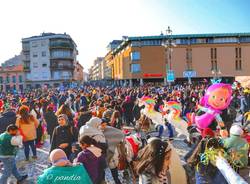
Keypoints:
pixel 149 58
pixel 49 59
pixel 96 69
pixel 12 78
pixel 78 74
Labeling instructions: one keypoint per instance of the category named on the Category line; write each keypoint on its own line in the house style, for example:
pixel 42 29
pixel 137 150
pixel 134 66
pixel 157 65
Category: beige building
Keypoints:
pixel 96 69
pixel 152 58
pixel 78 73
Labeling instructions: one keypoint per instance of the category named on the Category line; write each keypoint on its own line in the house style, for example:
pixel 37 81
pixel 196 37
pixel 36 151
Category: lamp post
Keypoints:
pixel 168 43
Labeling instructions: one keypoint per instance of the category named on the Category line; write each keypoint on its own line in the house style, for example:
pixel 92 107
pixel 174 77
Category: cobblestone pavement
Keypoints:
pixel 35 167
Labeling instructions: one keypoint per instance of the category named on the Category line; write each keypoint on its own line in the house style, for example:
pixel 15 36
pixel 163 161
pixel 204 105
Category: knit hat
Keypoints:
pixel 236 130
pixel 207 132
pixel 59 158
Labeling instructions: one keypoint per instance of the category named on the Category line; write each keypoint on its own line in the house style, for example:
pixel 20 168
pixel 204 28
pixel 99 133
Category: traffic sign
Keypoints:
pixel 189 73
pixel 170 76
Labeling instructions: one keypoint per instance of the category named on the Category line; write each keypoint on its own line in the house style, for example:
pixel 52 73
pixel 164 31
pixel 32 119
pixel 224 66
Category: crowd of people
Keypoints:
pixel 92 129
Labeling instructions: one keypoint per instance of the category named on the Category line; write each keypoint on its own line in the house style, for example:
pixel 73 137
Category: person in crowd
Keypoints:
pixel 62 98
pixel 127 108
pixel 237 146
pixel 36 111
pixel 108 111
pixel 27 125
pixel 64 135
pixel 84 116
pixel 92 129
pixel 113 137
pixel 9 142
pixel 62 171
pixel 65 109
pixel 77 103
pixel 8 117
pixel 51 120
pixel 153 162
pixel 116 118
pixel 92 159
pixel 137 110
pixel 243 102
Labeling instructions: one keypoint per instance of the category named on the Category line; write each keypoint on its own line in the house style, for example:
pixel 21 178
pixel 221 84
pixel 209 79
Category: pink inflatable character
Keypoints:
pixel 217 98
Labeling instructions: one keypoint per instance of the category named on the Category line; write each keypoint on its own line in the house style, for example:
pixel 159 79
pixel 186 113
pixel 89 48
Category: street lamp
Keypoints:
pixel 168 44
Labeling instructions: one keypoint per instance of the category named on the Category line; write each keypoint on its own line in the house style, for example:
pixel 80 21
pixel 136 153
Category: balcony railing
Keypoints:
pixel 62 67
pixel 62 57
pixel 61 45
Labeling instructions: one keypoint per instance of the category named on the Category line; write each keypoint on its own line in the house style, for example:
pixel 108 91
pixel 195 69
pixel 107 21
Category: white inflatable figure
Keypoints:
pixel 226 170
pixel 156 117
pixel 173 111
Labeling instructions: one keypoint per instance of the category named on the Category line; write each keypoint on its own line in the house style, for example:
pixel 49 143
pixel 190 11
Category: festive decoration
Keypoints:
pixel 172 112
pixel 217 98
pixel 149 103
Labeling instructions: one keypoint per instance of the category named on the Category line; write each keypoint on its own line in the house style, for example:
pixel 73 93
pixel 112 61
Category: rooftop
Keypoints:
pixel 46 35
pixel 128 39
pixel 206 35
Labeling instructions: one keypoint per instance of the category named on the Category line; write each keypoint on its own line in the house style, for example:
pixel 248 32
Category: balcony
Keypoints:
pixel 26 60
pixel 61 45
pixel 62 67
pixel 62 58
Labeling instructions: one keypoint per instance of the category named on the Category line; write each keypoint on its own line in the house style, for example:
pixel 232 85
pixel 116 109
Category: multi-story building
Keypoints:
pixel 12 78
pixel 78 73
pixel 105 71
pixel 96 69
pixel 148 58
pixel 49 59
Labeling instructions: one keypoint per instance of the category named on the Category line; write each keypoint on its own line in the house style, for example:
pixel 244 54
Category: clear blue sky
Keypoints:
pixel 94 23
pixel 203 16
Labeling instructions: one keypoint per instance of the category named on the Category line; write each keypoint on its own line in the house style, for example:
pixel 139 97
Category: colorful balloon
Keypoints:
pixel 217 98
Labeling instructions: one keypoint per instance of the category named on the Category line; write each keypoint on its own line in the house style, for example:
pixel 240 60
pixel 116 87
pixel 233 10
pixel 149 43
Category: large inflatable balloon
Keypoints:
pixel 149 103
pixel 217 98
pixel 173 116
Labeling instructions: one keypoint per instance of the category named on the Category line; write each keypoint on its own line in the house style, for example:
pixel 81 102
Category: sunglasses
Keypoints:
pixel 59 119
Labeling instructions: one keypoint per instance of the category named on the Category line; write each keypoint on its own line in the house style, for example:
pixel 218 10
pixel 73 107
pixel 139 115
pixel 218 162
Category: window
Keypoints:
pixel 34 44
pixel 35 65
pixel 244 39
pixel 214 65
pixel 43 43
pixel 135 56
pixel 238 62
pixel 135 68
pixel 44 65
pixel 189 58
pixel 14 79
pixel 20 78
pixel 43 53
pixel 193 40
pixel 35 54
pixel 26 45
pixel 238 65
pixel 213 53
pixel 7 79
pixel 61 53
